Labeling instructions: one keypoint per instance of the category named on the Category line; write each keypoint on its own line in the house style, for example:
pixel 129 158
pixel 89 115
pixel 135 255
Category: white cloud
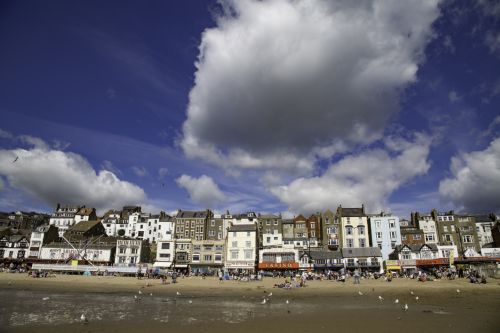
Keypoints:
pixel 492 40
pixel 54 176
pixel 475 182
pixel 453 96
pixel 282 83
pixel 203 190
pixel 139 171
pixel 369 177
pixel 108 165
pixel 162 172
pixel 5 134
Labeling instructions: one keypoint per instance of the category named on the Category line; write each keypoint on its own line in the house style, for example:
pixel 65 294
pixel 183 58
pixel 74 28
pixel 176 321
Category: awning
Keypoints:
pixel 393 268
pixel 180 266
pixel 162 264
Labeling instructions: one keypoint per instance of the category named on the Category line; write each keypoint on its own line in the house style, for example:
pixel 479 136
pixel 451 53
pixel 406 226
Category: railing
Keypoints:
pixel 85 268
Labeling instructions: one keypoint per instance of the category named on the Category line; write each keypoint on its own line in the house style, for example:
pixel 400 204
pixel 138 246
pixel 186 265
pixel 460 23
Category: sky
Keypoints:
pixel 270 106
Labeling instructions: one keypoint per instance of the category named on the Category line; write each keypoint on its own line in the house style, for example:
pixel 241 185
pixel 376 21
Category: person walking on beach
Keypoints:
pixel 356 276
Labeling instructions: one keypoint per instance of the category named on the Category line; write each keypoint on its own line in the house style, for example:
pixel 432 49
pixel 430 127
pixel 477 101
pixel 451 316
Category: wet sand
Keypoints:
pixel 207 305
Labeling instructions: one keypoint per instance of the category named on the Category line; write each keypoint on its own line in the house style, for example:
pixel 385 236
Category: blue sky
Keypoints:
pixel 272 106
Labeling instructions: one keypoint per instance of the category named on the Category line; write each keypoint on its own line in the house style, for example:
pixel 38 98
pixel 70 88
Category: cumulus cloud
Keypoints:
pixel 475 182
pixel 203 190
pixel 281 83
pixel 54 176
pixel 366 178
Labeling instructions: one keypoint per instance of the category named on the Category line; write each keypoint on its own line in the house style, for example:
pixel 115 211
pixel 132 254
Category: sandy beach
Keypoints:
pixel 194 304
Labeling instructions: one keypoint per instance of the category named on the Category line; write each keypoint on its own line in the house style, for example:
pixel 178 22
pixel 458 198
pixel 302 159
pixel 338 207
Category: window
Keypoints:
pixel 133 250
pixel 313 225
pixel 452 228
pixel 379 235
pixel 234 244
pixel 361 230
pixel 212 223
pixel 393 234
pixel 140 234
pixel 20 254
pixel 268 222
pixel 348 230
pixel 392 223
pixel 248 244
pixel 467 239
pixel 417 237
pixel 196 257
pixel 332 242
pixel 313 233
pixel 248 254
pixel 403 237
pixel 429 238
pixel 268 239
pixel 350 242
pixel 447 238
pixel 122 250
pixel 207 257
pixel 362 242
pixel 234 254
pixel 165 255
pixel 211 233
pixel 275 222
pixel 331 230
pixel 327 221
pixel 248 233
pixel 121 260
pixel 218 257
pixel 406 255
pixel 445 228
pixel 377 224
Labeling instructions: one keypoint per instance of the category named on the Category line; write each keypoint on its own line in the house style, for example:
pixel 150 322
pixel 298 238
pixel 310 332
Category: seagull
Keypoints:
pixel 140 292
pixel 411 292
pixel 287 302
pixel 46 298
pixel 83 318
pixel 150 294
pixel 360 293
pixel 136 298
pixel 178 293
pixel 396 301
pixel 190 302
pixel 380 298
pixel 270 294
pixel 405 308
pixel 264 301
pixel 458 291
pixel 15 160
pixel 416 299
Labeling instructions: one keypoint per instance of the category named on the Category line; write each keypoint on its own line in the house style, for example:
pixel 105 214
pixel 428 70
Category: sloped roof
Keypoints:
pixel 85 211
pixel 322 254
pixel 300 217
pixel 84 226
pixel 187 214
pixel 357 252
pixel 242 227
pixel 353 212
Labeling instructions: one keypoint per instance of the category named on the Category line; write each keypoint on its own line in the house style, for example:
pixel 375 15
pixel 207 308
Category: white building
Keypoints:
pixel 272 240
pixel 385 233
pixel 428 225
pixel 445 251
pixel 112 223
pixel 85 214
pixel 128 252
pixel 42 235
pixel 241 247
pixel 14 247
pixel 165 252
pixel 64 217
pixel 229 220
pixel 98 253
pixel 354 224
pixel 484 225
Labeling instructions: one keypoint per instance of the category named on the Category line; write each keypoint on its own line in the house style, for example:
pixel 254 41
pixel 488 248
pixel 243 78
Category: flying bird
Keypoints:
pixel 396 301
pixel 15 160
